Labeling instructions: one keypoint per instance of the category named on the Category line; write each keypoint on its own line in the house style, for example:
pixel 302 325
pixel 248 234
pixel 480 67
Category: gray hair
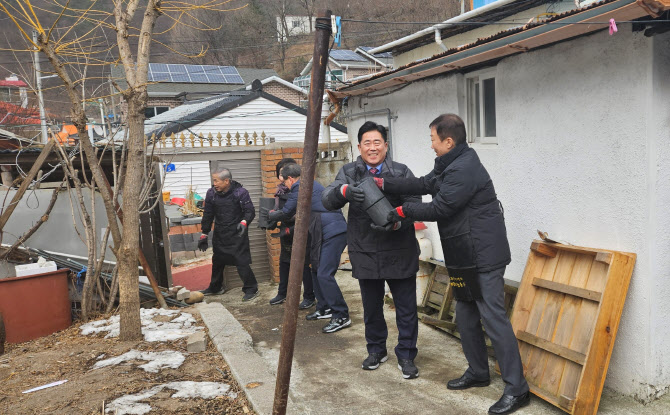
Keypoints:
pixel 290 170
pixel 223 174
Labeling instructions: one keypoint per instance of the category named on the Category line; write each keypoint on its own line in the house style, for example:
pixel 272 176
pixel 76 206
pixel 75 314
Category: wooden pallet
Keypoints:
pixel 566 317
pixel 438 307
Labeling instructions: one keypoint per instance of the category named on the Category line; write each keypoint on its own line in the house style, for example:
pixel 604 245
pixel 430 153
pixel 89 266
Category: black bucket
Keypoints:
pixel 263 220
pixel 375 204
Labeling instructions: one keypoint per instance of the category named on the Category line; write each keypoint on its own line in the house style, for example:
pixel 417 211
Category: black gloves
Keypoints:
pixel 241 228
pixel 275 215
pixel 352 193
pixel 396 215
pixel 387 228
pixel 202 243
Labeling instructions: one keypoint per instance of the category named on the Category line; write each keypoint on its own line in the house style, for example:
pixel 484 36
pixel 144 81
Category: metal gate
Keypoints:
pixel 245 167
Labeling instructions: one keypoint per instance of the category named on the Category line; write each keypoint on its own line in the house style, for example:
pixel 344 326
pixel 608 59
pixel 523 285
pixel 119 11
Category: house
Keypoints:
pixel 295 25
pixel 345 65
pixel 254 117
pixel 173 83
pixel 14 91
pixel 571 123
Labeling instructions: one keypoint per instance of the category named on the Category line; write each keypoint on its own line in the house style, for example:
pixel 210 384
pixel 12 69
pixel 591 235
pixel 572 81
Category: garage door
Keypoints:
pixel 246 169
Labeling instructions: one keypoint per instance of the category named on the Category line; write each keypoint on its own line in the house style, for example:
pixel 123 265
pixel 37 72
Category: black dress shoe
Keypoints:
pixel 508 404
pixel 465 383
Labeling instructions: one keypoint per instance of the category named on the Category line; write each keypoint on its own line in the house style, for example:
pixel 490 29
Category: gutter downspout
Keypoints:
pixel 459 18
pixel 389 118
pixel 438 39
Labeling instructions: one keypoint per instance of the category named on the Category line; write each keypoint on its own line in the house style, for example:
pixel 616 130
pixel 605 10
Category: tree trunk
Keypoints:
pixel 129 295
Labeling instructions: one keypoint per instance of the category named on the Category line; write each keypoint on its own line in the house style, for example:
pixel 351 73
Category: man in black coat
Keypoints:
pixel 380 255
pixel 327 236
pixel 285 235
pixel 474 242
pixel 229 206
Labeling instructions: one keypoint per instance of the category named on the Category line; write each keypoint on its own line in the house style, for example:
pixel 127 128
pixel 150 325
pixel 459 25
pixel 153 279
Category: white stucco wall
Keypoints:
pixel 583 151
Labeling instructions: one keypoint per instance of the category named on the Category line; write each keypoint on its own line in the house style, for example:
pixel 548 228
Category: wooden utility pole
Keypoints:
pixel 319 61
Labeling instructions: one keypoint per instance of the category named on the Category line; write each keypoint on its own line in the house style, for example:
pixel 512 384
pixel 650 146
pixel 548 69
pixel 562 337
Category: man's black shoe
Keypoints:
pixel 409 370
pixel 336 324
pixel 373 360
pixel 465 383
pixel 209 291
pixel 278 299
pixel 305 304
pixel 250 296
pixel 508 404
pixel 319 314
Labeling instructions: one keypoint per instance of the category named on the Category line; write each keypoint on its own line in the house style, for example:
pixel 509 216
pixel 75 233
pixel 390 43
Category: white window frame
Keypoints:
pixel 471 80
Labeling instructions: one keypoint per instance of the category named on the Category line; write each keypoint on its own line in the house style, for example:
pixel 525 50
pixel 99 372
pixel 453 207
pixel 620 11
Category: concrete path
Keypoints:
pixel 327 377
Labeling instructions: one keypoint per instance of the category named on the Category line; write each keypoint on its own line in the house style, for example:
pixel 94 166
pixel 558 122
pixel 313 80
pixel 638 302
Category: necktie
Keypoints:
pixel 374 171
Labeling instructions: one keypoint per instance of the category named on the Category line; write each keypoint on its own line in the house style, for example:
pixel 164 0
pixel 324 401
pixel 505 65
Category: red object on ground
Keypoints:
pixel 196 278
pixel 35 305
pixel 178 201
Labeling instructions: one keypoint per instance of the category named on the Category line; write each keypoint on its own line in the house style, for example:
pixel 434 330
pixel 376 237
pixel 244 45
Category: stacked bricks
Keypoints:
pixel 184 239
pixel 269 159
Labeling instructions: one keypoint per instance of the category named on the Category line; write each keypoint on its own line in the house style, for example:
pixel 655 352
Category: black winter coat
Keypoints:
pixel 375 254
pixel 468 213
pixel 227 210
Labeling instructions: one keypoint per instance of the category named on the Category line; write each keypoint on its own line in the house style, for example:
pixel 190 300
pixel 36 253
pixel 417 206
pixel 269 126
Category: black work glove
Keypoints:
pixel 241 228
pixel 387 228
pixel 396 215
pixel 275 215
pixel 352 193
pixel 202 243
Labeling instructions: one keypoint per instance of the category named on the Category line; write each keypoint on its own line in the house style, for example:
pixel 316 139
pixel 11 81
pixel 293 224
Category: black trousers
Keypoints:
pixel 328 293
pixel 404 298
pixel 307 284
pixel 491 311
pixel 247 276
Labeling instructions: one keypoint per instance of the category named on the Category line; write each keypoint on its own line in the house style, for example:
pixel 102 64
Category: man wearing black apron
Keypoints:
pixel 474 243
pixel 229 206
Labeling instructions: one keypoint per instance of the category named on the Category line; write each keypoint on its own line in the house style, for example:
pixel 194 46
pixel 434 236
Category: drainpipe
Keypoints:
pixel 438 39
pixel 389 118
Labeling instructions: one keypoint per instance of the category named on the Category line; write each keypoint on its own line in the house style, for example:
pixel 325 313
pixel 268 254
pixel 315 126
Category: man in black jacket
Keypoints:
pixel 476 252
pixel 285 235
pixel 380 254
pixel 327 236
pixel 229 206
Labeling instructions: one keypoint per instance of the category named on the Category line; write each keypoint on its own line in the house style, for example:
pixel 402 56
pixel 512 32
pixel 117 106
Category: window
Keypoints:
pixel 296 23
pixel 481 105
pixel 153 111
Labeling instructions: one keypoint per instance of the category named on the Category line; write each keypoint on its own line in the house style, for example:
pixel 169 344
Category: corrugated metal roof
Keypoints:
pixel 479 42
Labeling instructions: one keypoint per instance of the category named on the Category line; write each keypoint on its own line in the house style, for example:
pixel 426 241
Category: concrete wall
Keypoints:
pixel 582 153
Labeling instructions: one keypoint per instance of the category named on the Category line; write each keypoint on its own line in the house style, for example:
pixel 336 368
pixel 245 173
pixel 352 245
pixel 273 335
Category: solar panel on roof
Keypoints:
pixel 206 74
pixel 346 55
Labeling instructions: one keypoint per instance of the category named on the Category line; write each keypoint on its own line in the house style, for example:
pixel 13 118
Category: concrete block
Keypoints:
pixel 196 342
pixel 183 294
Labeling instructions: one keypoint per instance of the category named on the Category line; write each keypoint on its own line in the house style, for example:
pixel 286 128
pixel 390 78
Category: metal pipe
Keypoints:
pixel 438 39
pixel 459 18
pixel 38 79
pixel 389 118
pixel 318 77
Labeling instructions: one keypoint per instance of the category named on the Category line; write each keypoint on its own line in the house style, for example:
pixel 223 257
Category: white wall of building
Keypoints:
pixel 583 153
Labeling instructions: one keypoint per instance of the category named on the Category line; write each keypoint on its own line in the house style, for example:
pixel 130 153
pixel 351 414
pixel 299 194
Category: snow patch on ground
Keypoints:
pixel 179 326
pixel 155 360
pixel 131 404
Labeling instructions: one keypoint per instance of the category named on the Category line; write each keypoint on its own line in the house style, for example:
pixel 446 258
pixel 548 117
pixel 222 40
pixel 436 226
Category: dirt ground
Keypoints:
pixel 70 355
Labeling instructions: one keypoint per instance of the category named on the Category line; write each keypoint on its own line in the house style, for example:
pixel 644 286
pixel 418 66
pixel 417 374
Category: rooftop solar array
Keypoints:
pixel 197 74
pixel 346 55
